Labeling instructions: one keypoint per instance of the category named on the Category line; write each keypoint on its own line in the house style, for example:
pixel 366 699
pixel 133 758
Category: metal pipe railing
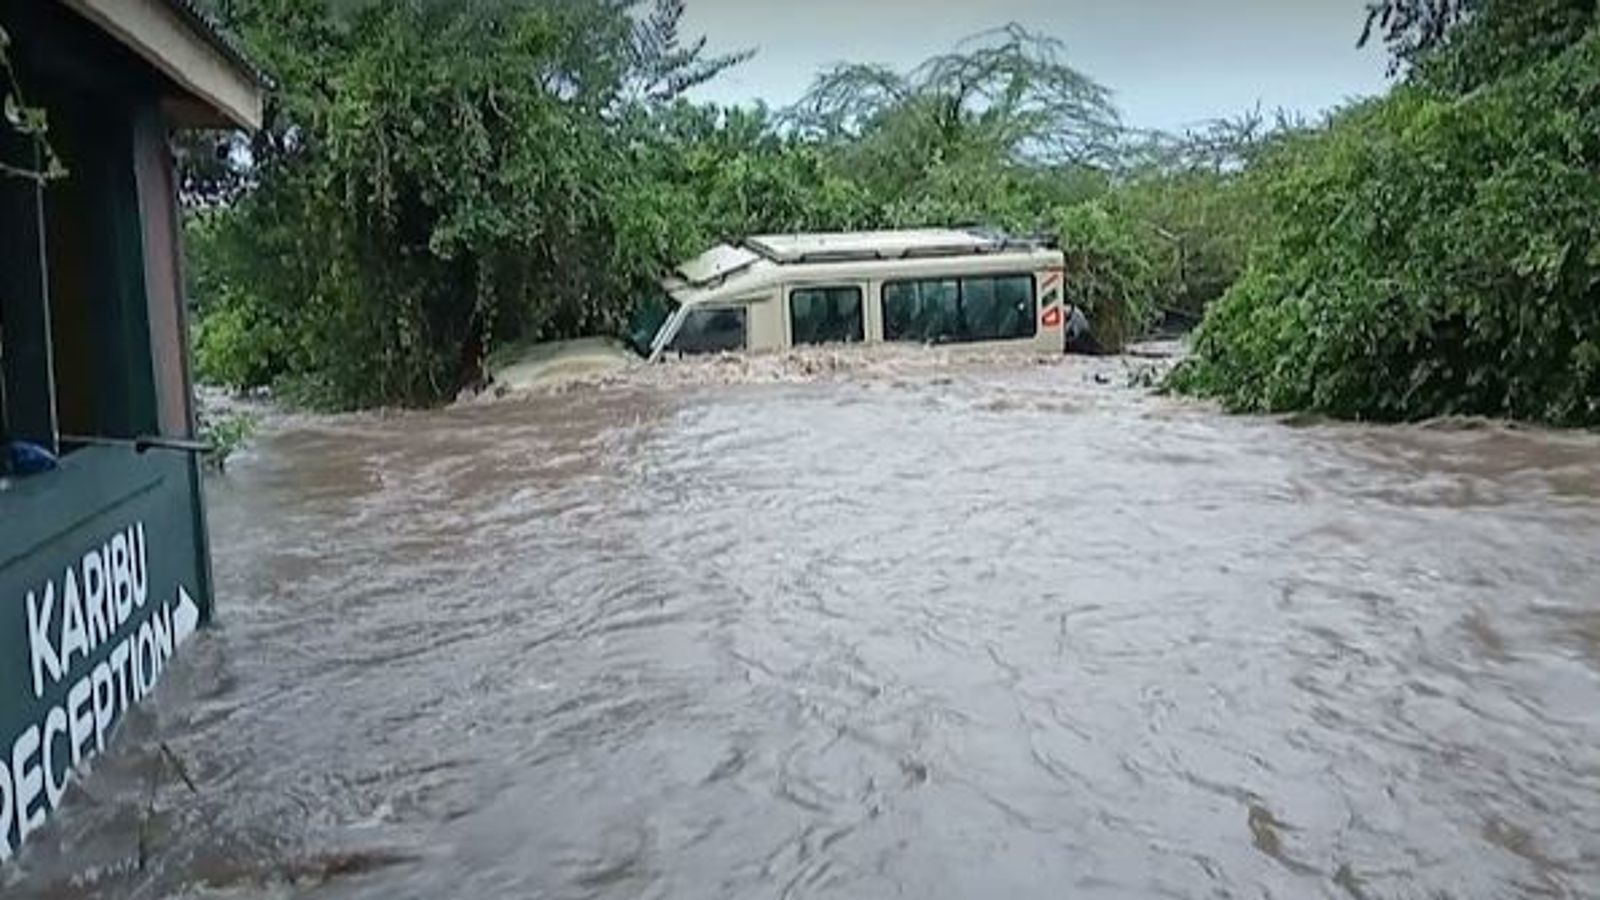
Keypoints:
pixel 141 443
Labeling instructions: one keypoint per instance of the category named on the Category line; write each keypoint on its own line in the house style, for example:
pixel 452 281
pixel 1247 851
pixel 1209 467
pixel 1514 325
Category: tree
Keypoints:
pixel 297 41
pixel 435 178
pixel 1008 89
pixel 1457 46
pixel 1223 145
pixel 664 67
pixel 1412 28
pixel 1432 253
pixel 1497 39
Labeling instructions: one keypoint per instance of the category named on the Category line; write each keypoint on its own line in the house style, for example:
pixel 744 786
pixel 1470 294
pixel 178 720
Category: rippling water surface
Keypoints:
pixel 1004 632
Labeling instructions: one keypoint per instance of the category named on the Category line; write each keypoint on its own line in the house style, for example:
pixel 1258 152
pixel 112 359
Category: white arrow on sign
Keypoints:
pixel 185 618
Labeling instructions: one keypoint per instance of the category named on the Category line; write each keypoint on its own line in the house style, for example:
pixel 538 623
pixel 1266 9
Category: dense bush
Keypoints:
pixel 434 179
pixel 1199 227
pixel 1110 273
pixel 1432 253
pixel 1500 39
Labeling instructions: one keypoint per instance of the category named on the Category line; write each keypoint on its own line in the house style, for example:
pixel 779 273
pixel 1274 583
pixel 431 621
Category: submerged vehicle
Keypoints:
pixel 930 286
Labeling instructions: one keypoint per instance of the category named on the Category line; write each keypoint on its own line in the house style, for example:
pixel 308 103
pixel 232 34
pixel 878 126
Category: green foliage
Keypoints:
pixel 436 177
pixel 1413 28
pixel 1499 39
pixel 234 349
pixel 224 435
pixel 999 131
pixel 1199 200
pixel 1109 271
pixel 1198 228
pixel 1431 255
pixel 1009 89
pixel 664 67
pixel 700 174
pixel 1456 46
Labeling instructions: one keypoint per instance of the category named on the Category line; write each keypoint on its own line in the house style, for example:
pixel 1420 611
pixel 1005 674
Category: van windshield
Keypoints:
pixel 648 316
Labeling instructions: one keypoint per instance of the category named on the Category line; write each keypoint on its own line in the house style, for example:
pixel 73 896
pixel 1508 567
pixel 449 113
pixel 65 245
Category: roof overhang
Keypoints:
pixel 219 87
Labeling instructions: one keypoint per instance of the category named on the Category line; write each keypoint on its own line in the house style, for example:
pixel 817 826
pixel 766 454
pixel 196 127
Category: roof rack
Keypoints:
pixel 838 247
pixel 950 250
pixel 755 246
pixel 830 256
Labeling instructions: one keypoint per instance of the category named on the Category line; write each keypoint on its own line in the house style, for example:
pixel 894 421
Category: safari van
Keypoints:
pixel 933 286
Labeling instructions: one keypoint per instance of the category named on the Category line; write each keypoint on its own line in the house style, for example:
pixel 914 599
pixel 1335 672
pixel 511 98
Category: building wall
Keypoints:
pixel 96 595
pixel 163 279
pixel 103 561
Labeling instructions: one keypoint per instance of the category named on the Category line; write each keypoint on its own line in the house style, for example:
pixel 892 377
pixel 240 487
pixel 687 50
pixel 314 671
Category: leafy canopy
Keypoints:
pixel 1433 252
pixel 1009 89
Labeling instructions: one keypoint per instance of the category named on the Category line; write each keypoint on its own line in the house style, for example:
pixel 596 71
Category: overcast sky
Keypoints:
pixel 1171 63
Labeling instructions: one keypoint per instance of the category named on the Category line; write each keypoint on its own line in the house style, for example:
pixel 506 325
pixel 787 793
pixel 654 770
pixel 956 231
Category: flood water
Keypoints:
pixel 1005 631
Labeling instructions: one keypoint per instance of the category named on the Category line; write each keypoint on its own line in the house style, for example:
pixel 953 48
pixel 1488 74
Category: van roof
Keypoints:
pixel 794 248
pixel 726 260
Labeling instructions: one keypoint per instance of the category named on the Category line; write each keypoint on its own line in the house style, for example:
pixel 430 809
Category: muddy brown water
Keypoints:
pixel 1006 631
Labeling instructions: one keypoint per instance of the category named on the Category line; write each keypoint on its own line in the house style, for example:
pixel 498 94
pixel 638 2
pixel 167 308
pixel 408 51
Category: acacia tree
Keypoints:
pixel 1224 145
pixel 664 65
pixel 1009 89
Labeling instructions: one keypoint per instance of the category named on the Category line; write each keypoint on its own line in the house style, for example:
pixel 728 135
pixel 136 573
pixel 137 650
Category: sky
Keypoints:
pixel 1169 63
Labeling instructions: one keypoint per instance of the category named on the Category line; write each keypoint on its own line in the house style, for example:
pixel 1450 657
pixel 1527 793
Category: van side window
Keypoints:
pixel 713 330
pixel 998 309
pixel 959 310
pixel 826 315
pixel 927 312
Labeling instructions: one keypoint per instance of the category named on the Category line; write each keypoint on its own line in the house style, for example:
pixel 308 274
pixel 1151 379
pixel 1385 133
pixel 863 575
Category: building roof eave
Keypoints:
pixel 222 88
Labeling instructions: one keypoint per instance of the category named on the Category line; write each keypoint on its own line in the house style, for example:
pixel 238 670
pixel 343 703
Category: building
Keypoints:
pixel 103 557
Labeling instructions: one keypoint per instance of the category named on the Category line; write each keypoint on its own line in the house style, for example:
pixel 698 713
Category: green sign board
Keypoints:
pixel 102 578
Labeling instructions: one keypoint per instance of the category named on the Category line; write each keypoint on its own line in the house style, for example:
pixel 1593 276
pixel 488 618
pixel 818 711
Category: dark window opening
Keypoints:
pixel 27 409
pixel 75 328
pixel 926 312
pixel 645 323
pixel 713 330
pixel 949 310
pixel 826 315
pixel 94 251
pixel 998 309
